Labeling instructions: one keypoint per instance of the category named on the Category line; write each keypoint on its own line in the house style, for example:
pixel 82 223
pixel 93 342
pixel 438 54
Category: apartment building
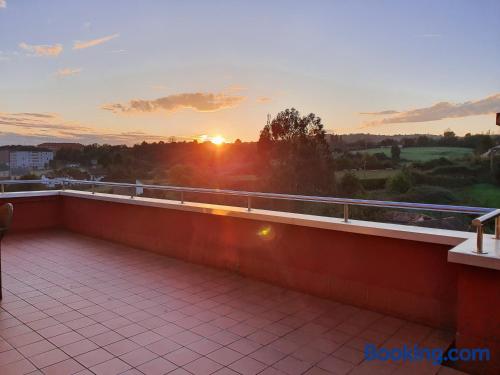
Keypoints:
pixel 26 158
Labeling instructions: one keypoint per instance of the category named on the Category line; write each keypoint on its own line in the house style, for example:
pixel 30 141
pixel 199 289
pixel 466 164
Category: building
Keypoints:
pixel 33 160
pixel 25 158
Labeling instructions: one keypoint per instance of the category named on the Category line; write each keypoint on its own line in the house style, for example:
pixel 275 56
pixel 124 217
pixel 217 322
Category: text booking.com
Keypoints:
pixel 416 353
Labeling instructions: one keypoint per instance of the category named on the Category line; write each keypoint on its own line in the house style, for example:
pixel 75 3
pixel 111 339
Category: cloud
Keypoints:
pixel 201 102
pixel 66 72
pixel 45 121
pixel 263 99
pixel 94 42
pixel 42 49
pixel 440 111
pixel 34 128
pixel 3 4
pixel 388 112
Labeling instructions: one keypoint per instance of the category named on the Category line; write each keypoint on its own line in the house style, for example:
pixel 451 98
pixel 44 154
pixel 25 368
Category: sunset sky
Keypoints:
pixel 127 71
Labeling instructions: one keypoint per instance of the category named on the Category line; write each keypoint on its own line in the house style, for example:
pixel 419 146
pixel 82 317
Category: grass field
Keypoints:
pixel 424 153
pixel 485 195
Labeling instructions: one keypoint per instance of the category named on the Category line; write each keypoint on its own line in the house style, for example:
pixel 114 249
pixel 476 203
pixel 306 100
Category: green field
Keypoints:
pixel 485 195
pixel 424 153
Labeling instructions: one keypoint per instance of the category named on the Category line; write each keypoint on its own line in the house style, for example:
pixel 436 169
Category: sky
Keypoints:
pixel 126 71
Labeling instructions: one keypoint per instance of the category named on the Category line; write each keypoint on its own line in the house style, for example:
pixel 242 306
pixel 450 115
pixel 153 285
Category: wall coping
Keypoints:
pixel 406 232
pixel 29 194
pixel 464 253
pixel 463 243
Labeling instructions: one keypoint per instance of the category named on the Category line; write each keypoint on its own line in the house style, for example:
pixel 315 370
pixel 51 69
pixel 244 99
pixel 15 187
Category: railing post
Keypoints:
pixel 249 203
pixel 93 188
pixel 479 245
pixel 497 227
pixel 182 197
pixel 3 188
pixel 133 193
pixel 346 213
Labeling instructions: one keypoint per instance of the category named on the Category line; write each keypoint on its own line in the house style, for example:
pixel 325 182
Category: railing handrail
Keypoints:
pixel 487 213
pixel 245 194
pixel 479 223
pixel 486 217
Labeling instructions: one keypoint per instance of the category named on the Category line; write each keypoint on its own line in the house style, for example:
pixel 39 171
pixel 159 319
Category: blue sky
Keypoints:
pixel 127 71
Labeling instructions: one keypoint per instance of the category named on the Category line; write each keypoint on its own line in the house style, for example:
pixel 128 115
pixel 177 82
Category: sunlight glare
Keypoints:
pixel 218 140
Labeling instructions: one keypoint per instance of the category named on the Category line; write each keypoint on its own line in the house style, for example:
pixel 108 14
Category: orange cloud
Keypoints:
pixel 94 42
pixel 34 128
pixel 201 102
pixel 439 111
pixel 42 49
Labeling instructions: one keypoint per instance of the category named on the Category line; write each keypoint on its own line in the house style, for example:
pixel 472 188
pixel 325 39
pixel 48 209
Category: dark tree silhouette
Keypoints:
pixel 295 156
pixel 395 152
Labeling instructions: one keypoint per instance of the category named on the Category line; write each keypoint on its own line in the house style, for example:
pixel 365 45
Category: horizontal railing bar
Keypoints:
pixel 18 182
pixel 482 219
pixel 291 197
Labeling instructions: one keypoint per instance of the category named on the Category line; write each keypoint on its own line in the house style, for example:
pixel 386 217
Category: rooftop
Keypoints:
pixel 109 284
pixel 73 302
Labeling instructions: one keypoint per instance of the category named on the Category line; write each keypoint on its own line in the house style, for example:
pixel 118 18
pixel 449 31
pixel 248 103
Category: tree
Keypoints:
pixel 395 152
pixel 350 184
pixel 294 154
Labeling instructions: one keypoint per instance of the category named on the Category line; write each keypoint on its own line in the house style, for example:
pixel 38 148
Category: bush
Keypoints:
pixel 431 164
pixel 350 184
pixel 374 183
pixel 400 182
pixel 420 178
pixel 429 194
pixel 455 170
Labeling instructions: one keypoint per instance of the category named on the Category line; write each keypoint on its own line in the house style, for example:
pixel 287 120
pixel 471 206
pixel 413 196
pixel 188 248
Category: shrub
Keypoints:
pixel 420 178
pixel 429 194
pixel 431 164
pixel 374 183
pixel 399 183
pixel 455 170
pixel 350 184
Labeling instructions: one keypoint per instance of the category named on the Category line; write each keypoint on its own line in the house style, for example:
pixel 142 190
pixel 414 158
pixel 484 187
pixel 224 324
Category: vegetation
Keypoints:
pixel 423 154
pixel 295 155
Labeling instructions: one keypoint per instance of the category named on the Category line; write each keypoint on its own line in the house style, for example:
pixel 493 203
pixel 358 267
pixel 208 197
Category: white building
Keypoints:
pixel 32 160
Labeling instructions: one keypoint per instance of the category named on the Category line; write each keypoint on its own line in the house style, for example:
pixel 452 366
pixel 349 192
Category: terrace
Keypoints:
pixel 98 283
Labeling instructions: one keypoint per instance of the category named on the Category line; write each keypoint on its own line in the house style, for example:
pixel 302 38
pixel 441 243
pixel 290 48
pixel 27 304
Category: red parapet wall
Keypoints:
pixel 35 212
pixel 478 312
pixel 409 279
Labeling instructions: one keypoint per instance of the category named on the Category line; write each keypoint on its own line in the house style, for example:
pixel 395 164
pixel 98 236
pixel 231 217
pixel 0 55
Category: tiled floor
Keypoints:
pixel 74 304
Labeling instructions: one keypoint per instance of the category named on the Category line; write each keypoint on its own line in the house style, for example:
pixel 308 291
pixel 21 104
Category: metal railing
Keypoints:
pixel 487 213
pixel 479 223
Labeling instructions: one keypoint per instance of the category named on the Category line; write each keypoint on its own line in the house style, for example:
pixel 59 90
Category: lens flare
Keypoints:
pixel 266 233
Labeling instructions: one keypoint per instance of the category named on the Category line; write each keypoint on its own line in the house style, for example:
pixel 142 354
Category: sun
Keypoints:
pixel 218 140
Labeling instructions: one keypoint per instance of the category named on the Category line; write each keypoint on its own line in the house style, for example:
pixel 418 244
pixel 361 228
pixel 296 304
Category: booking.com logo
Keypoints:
pixel 416 353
